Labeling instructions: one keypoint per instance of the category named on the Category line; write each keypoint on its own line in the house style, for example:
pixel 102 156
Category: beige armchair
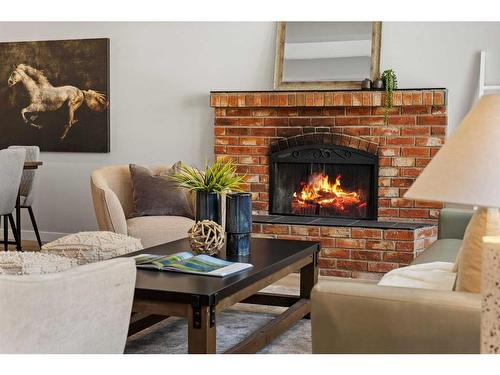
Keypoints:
pixel 83 310
pixel 349 316
pixel 113 203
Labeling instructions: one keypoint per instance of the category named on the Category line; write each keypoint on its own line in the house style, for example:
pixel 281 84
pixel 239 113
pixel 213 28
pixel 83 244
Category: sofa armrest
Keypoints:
pixel 352 317
pixel 108 209
pixel 452 223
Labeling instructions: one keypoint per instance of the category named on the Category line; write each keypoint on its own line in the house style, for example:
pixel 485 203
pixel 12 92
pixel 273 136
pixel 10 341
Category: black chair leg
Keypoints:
pixel 35 227
pixel 18 219
pixel 5 233
pixel 14 230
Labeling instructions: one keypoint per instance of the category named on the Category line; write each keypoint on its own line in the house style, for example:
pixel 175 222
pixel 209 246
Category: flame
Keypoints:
pixel 319 191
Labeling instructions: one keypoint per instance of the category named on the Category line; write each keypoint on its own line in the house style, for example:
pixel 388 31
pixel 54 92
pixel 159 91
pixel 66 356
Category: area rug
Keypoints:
pixel 170 336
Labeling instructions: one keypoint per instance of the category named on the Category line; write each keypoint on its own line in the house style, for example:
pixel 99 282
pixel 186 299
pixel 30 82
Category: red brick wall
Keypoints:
pixel 246 124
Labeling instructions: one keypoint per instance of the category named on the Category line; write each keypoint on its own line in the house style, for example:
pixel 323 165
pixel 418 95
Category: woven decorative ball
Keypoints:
pixel 206 237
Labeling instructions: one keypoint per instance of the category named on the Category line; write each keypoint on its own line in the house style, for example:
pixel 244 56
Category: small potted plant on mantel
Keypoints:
pixel 209 184
pixel 390 83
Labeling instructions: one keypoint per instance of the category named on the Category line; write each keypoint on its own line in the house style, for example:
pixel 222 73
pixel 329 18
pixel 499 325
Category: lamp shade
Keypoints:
pixel 466 170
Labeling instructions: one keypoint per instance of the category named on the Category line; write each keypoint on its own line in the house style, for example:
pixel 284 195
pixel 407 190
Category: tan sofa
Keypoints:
pixel 113 204
pixel 349 316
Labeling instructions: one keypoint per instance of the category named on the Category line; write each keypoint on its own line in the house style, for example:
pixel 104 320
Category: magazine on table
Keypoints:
pixel 187 262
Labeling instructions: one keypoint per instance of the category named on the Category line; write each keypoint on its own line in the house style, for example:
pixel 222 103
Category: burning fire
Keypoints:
pixel 319 191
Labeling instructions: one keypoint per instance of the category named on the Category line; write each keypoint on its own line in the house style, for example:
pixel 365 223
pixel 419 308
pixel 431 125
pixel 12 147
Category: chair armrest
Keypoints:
pixel 452 223
pixel 108 209
pixel 352 317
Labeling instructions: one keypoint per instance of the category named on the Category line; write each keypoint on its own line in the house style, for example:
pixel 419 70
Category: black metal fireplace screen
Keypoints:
pixel 325 181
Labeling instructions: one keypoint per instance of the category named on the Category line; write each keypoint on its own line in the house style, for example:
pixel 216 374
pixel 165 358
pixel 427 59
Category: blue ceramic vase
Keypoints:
pixel 238 223
pixel 208 206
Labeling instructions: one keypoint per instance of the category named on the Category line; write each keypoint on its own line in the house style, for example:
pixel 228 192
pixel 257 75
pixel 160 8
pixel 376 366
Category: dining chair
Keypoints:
pixel 11 170
pixel 28 187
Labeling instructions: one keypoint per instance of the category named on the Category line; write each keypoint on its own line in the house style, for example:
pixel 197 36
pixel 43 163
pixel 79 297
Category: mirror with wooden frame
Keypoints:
pixel 326 55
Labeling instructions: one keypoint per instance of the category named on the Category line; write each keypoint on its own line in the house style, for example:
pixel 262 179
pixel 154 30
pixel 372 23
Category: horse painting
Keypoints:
pixel 45 97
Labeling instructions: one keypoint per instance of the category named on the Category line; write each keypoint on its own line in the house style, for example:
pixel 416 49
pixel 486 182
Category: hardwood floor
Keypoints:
pixel 27 246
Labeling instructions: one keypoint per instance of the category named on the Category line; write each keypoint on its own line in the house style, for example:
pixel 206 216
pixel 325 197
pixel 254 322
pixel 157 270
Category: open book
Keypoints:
pixel 186 262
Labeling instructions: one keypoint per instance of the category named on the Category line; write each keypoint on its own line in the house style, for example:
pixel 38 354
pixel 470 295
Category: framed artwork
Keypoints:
pixel 55 94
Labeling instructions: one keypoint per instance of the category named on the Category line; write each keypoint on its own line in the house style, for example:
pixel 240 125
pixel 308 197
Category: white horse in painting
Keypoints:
pixel 45 97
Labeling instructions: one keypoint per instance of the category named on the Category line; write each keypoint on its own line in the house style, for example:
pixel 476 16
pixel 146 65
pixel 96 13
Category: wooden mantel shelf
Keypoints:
pixel 344 98
pixel 332 90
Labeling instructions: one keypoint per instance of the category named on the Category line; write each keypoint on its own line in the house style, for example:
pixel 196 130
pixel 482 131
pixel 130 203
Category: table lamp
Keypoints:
pixel 466 170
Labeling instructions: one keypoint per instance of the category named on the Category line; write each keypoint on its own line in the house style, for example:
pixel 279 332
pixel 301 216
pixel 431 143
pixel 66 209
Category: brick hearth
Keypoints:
pixel 247 123
pixel 356 252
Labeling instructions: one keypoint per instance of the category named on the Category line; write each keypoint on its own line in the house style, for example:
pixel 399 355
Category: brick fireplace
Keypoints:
pixel 259 129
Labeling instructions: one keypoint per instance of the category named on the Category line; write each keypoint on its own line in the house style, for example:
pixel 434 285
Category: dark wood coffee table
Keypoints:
pixel 159 295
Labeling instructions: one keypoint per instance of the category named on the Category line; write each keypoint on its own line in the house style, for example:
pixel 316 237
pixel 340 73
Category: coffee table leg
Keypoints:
pixel 201 333
pixel 308 277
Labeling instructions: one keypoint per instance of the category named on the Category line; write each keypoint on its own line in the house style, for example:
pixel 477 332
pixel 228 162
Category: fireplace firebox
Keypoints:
pixel 324 180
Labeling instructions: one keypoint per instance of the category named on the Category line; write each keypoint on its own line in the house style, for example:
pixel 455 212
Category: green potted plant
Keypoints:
pixel 390 83
pixel 208 184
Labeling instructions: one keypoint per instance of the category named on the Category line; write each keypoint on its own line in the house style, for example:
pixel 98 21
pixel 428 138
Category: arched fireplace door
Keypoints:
pixel 324 180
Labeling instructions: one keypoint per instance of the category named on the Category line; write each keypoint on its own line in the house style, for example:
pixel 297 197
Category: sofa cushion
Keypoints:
pixel 156 230
pixel 435 275
pixel 90 247
pixel 469 259
pixel 32 263
pixel 453 222
pixel 155 194
pixel 444 250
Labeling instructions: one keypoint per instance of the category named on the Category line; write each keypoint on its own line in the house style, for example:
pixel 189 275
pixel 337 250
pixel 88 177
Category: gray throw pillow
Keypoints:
pixel 156 194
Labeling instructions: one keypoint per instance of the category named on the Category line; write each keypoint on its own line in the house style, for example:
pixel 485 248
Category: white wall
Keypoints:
pixel 161 74
pixel 442 54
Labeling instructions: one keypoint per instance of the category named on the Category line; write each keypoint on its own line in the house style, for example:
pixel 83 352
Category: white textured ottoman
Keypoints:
pixel 90 247
pixel 32 263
